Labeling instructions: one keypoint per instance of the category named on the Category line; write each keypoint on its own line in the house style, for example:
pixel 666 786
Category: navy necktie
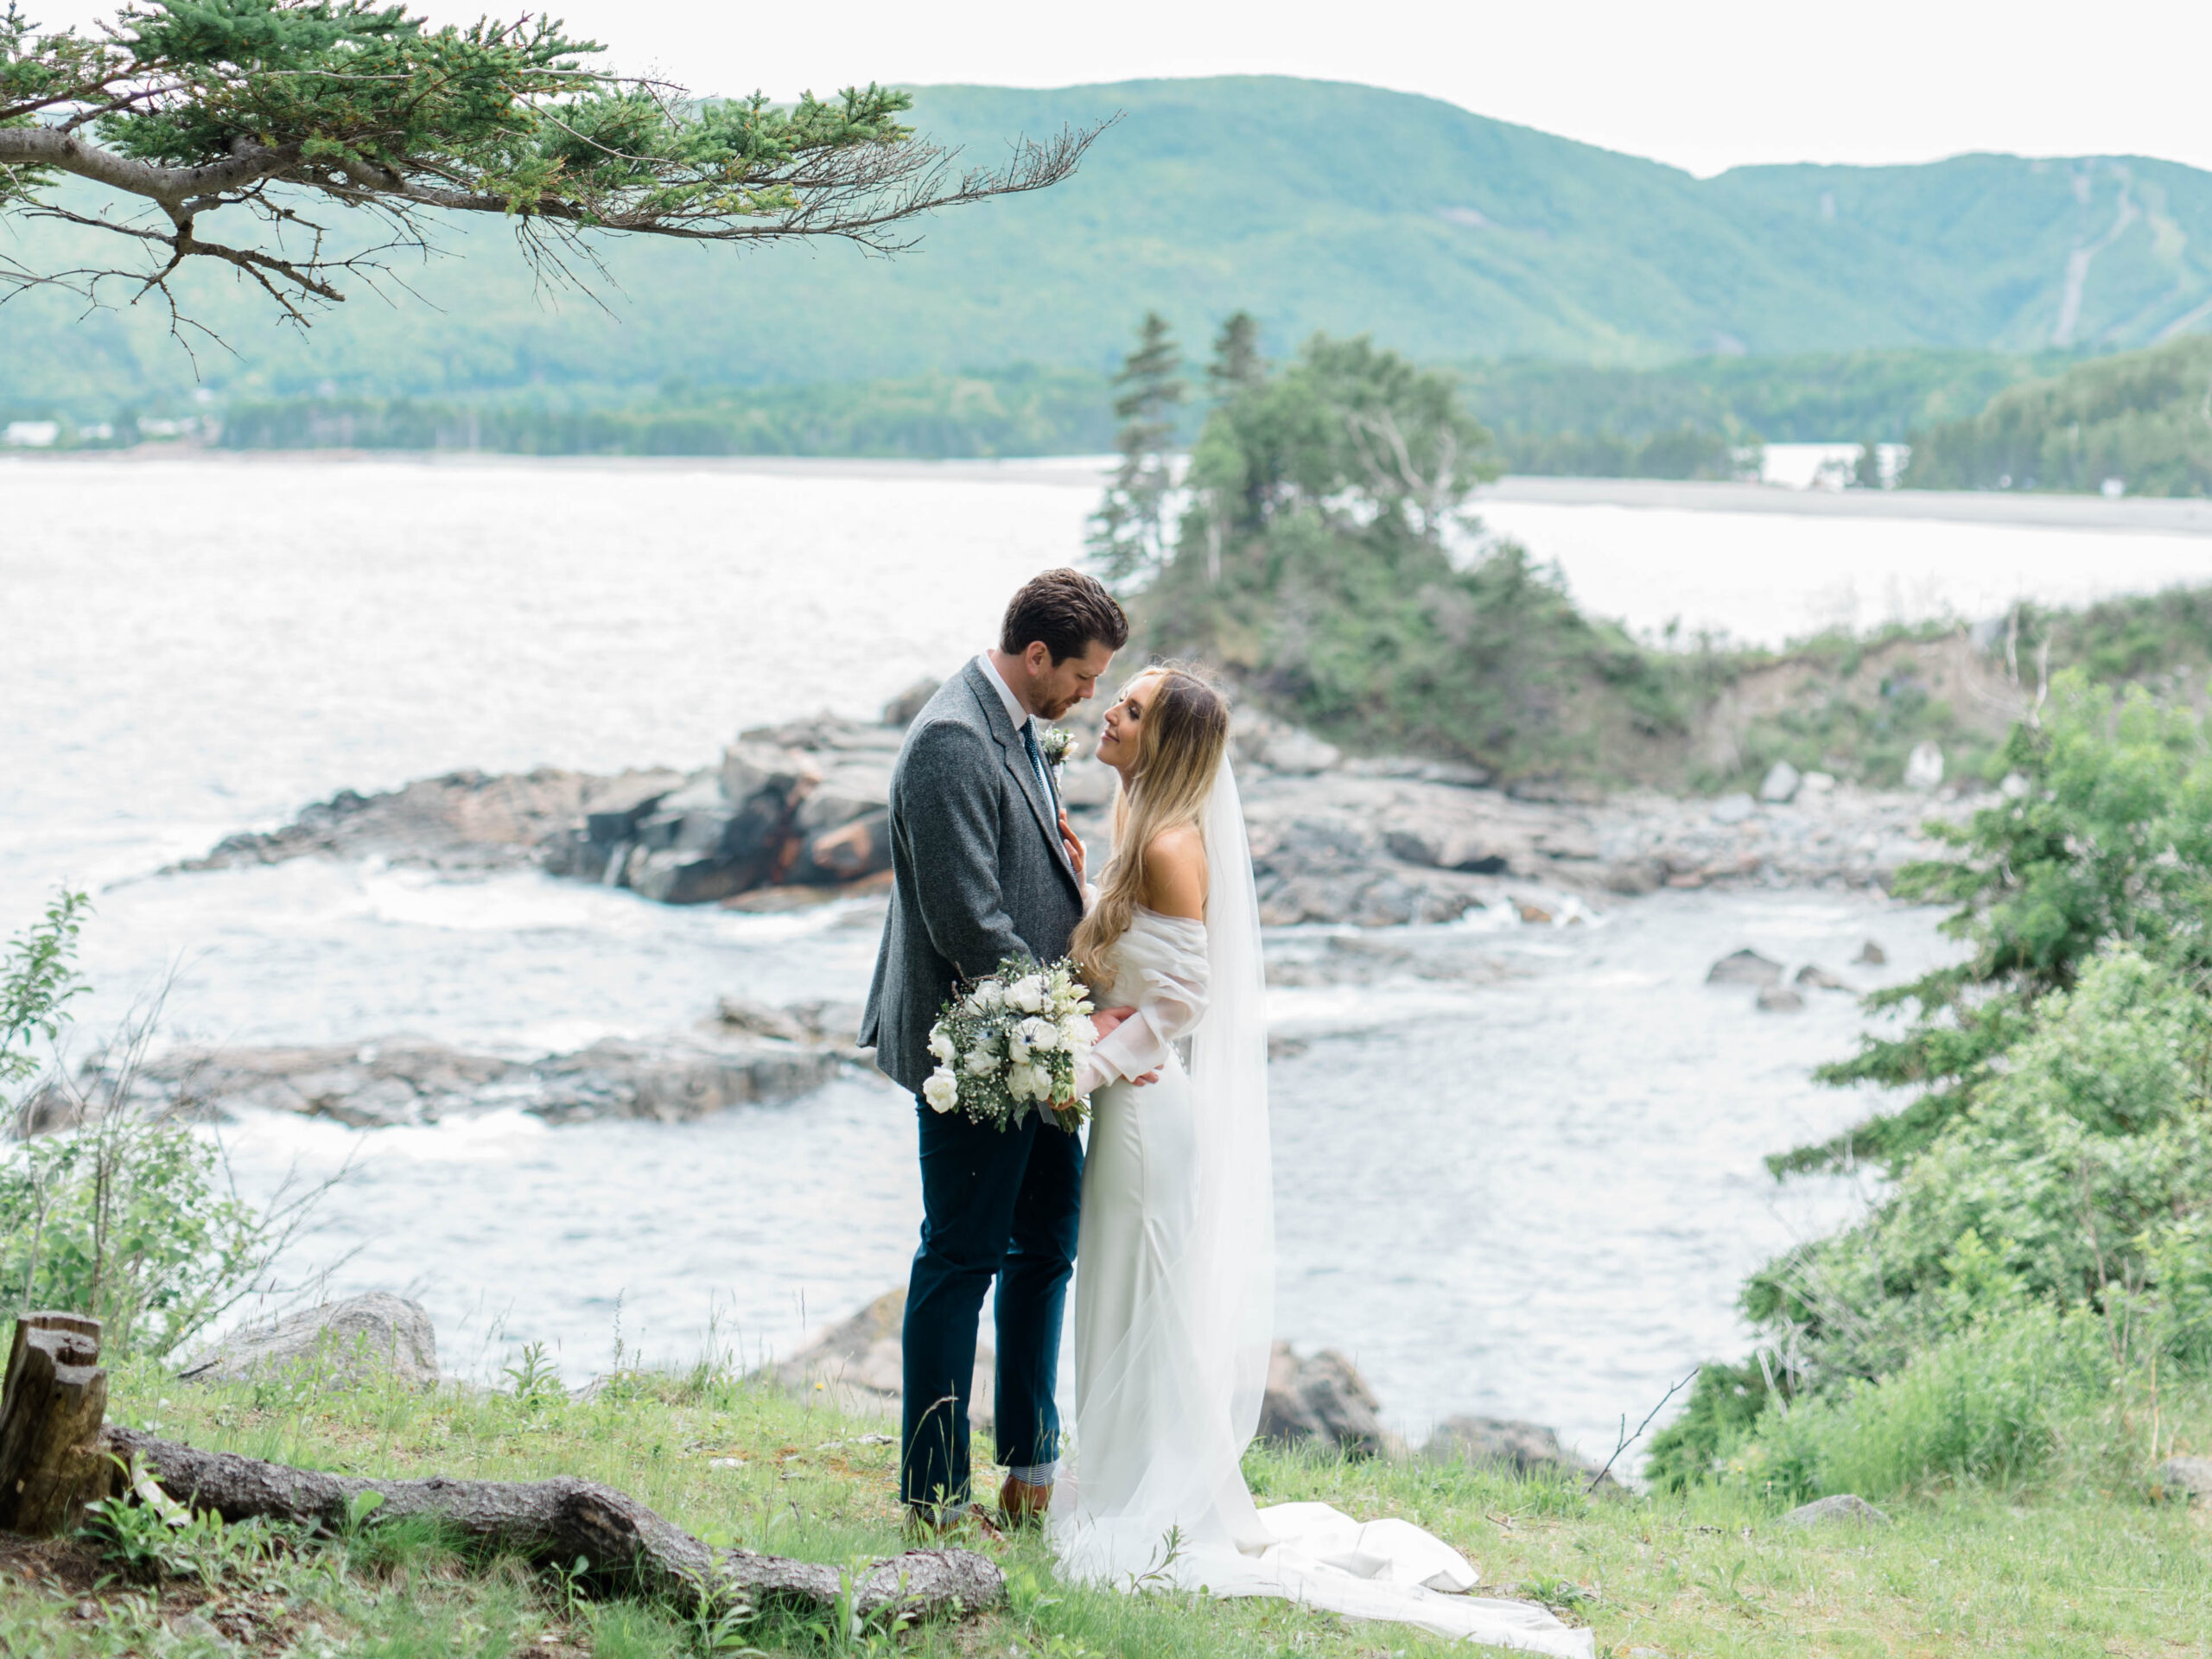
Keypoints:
pixel 1037 758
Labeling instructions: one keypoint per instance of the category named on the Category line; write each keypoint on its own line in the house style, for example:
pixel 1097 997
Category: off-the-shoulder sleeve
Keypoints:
pixel 1172 1001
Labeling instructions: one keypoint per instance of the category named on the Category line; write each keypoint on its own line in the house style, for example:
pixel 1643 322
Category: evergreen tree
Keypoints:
pixel 225 129
pixel 1237 366
pixel 1128 533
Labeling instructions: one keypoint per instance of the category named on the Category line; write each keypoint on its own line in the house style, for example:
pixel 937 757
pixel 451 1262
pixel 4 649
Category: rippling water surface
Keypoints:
pixel 1517 1166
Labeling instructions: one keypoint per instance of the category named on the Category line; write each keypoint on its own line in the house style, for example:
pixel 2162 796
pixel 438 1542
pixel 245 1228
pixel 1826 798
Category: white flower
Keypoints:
pixel 1039 1082
pixel 942 1046
pixel 1026 995
pixel 1017 1082
pixel 1076 1034
pixel 1017 1049
pixel 990 996
pixel 982 1062
pixel 942 1090
pixel 1042 1035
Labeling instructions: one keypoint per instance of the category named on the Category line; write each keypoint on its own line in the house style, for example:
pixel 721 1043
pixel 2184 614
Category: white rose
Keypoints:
pixel 1026 995
pixel 1040 1082
pixel 1017 1083
pixel 1040 1034
pixel 990 995
pixel 942 1090
pixel 1075 1034
pixel 982 1062
pixel 1016 1049
pixel 941 1045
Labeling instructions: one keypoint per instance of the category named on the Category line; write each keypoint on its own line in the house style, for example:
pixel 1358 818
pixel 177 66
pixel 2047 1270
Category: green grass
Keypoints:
pixel 2085 1564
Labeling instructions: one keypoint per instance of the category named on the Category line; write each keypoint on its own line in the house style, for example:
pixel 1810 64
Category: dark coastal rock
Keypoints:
pixel 798 811
pixel 1778 999
pixel 1527 1450
pixel 1322 1401
pixel 1438 847
pixel 464 820
pixel 1744 967
pixel 1873 955
pixel 857 1366
pixel 337 1345
pixel 1844 1509
pixel 1817 978
pixel 409 1081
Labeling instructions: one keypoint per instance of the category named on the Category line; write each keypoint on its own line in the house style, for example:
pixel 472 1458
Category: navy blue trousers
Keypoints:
pixel 999 1203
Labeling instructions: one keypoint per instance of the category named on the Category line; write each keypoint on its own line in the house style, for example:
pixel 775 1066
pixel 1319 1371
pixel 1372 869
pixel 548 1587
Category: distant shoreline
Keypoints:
pixel 2148 515
pixel 2156 516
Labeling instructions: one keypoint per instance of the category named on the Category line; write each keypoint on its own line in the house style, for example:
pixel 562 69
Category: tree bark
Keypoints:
pixel 556 1523
pixel 52 1459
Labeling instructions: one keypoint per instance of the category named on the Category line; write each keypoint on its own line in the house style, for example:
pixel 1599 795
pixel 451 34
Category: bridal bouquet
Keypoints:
pixel 1010 1043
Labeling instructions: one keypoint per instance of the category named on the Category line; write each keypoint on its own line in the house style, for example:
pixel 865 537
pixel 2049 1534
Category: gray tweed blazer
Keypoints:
pixel 978 873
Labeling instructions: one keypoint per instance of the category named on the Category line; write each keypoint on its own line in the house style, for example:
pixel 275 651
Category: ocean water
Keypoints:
pixel 1518 1174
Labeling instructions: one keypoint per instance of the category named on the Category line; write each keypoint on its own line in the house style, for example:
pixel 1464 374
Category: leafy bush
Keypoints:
pixel 2046 1233
pixel 107 1207
pixel 1988 1402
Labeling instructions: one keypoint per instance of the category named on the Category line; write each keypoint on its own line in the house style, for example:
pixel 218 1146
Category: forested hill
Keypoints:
pixel 1316 205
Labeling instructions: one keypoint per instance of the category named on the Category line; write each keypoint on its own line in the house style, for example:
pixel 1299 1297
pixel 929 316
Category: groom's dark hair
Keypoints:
pixel 1068 611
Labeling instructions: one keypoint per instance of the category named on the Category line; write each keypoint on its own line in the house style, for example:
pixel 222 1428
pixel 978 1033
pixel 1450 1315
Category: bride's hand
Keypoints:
pixel 1073 843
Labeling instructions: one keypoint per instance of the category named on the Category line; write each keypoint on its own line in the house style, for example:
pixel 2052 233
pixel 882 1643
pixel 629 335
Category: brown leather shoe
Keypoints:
pixel 1022 1505
pixel 930 1523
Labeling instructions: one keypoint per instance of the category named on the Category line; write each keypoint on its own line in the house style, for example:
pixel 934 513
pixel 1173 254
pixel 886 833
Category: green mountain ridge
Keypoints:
pixel 1446 235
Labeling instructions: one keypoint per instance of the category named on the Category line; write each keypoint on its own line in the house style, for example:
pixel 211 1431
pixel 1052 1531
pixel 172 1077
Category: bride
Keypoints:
pixel 1175 1287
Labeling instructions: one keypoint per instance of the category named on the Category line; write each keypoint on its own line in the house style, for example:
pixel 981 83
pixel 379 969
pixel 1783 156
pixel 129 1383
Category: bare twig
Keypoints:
pixel 1628 1440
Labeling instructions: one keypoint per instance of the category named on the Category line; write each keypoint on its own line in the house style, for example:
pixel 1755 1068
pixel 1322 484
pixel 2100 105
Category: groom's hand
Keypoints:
pixel 1103 1022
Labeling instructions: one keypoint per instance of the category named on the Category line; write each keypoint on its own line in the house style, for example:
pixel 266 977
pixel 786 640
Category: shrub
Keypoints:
pixel 108 1207
pixel 1989 1403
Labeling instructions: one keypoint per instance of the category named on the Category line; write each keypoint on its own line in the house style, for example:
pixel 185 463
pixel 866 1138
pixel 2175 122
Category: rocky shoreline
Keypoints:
pixel 795 814
pixel 751 1057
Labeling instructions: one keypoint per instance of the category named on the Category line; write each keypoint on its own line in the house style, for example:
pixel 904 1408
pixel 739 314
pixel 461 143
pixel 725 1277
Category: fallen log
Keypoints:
pixel 557 1522
pixel 55 1457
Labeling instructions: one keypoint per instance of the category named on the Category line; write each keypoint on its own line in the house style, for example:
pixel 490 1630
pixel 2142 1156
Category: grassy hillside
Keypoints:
pixel 1448 236
pixel 2063 1568
pixel 2144 418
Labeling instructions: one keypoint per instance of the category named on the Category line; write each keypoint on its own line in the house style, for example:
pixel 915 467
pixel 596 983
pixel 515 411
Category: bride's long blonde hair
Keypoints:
pixel 1181 737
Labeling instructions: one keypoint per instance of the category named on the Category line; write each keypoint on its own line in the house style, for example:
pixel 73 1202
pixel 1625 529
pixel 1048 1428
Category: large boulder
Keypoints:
pixel 858 1365
pixel 1780 785
pixel 1527 1450
pixel 1322 1401
pixel 1745 967
pixel 1844 1509
pixel 2186 1478
pixel 337 1345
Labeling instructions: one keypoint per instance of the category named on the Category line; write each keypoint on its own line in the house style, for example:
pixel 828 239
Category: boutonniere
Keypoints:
pixel 1056 743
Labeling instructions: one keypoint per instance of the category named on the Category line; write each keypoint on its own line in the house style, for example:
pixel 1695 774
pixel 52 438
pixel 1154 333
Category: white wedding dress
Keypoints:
pixel 1175 1307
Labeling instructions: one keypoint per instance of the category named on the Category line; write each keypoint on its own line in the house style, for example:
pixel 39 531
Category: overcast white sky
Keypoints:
pixel 1704 84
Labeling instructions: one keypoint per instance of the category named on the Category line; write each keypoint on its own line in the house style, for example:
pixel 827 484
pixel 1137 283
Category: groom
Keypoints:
pixel 984 868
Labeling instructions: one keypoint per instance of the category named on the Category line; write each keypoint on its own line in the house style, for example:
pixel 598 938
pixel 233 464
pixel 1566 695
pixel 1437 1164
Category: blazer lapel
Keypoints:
pixel 1015 754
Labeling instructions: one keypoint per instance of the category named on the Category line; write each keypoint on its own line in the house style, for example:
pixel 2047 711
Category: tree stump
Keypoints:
pixel 54 1460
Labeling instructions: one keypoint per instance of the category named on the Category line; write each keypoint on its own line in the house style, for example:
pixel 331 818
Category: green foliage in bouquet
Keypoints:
pixel 1009 1044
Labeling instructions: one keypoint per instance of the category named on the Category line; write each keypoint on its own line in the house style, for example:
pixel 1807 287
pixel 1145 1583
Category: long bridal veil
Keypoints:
pixel 1157 1498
